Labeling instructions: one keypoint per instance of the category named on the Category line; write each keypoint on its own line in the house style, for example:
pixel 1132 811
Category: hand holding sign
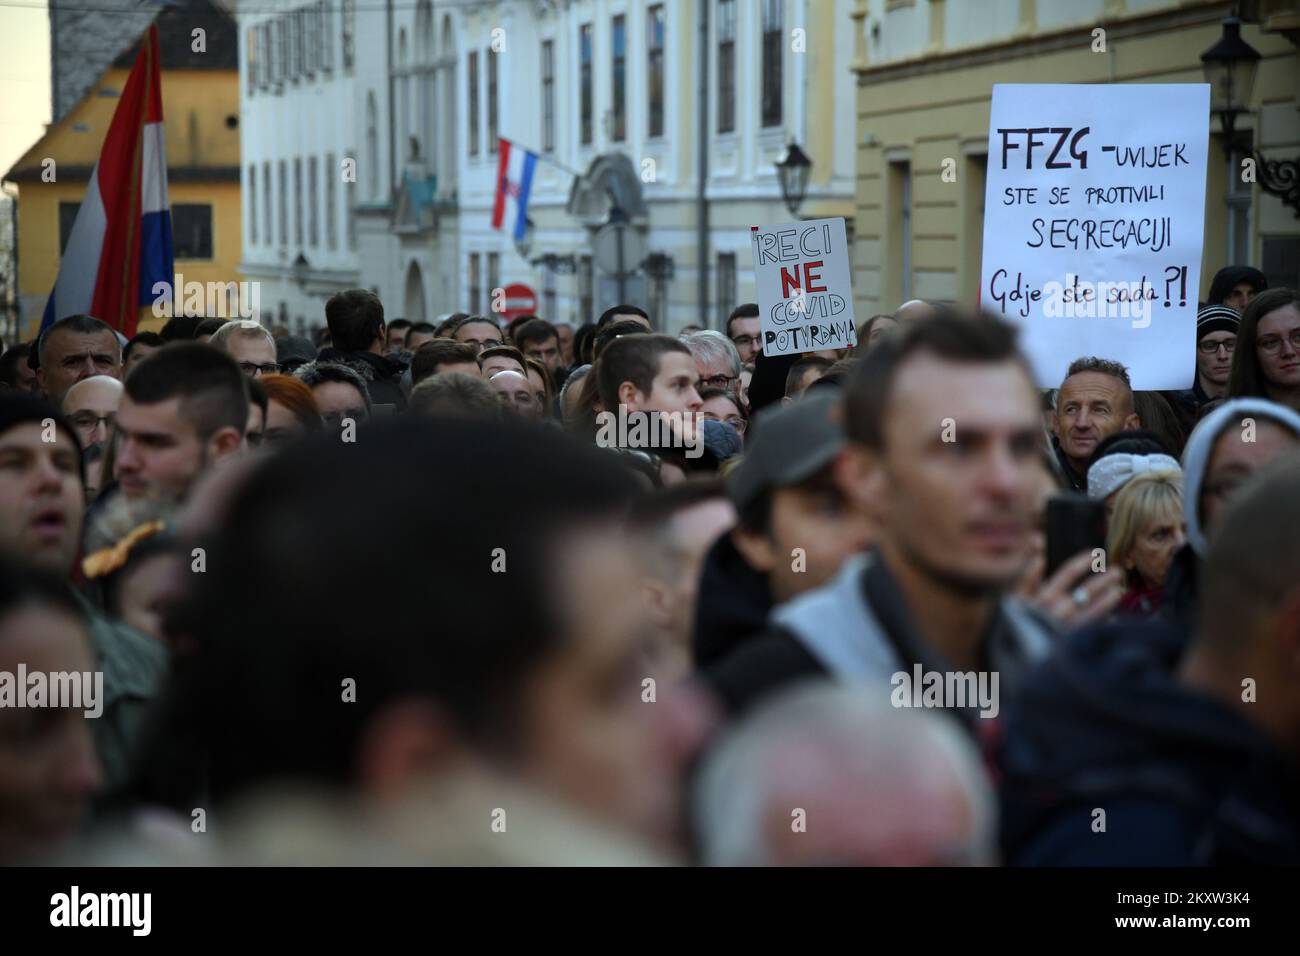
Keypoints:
pixel 805 297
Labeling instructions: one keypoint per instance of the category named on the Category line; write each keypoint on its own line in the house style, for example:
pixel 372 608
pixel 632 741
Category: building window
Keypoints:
pixel 618 112
pixel 331 199
pixel 313 212
pixel 655 68
pixel 584 82
pixel 67 216
pixel 297 203
pixel 548 95
pixel 584 289
pixel 726 284
pixel 493 274
pixel 327 35
pixel 726 66
pixel 1279 260
pixel 471 84
pixel 492 100
pixel 266 202
pixel 475 284
pixel 773 24
pixel 284 202
pixel 192 231
pixel 349 32
pixel 252 204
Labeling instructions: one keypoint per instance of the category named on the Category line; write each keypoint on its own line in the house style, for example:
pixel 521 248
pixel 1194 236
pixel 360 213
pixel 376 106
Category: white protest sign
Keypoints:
pixel 1093 221
pixel 805 297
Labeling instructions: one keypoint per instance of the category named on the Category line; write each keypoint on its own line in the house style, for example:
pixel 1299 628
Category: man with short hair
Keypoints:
pixel 457 394
pixel 358 333
pixel 183 410
pixel 91 406
pixel 42 501
pixel 478 332
pixel 745 331
pixel 15 372
pixel 716 359
pixel 340 392
pixel 443 355
pixel 802 374
pixel 499 358
pixel 954 535
pixel 1191 748
pixel 73 348
pixel 625 313
pixel 142 345
pixel 397 332
pixel 419 334
pixel 1094 402
pixel 538 339
pixel 564 331
pixel 249 344
pixel 648 373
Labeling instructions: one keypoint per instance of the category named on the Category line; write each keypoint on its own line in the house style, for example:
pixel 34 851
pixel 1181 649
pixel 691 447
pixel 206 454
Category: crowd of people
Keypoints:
pixel 400 593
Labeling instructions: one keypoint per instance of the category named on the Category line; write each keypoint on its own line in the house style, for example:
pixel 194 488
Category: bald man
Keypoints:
pixel 516 393
pixel 91 406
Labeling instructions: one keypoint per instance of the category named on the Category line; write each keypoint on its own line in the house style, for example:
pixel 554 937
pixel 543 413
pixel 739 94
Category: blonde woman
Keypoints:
pixel 1145 530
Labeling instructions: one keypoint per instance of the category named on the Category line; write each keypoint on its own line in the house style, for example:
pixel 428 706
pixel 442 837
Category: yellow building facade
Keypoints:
pixel 925 73
pixel 201 123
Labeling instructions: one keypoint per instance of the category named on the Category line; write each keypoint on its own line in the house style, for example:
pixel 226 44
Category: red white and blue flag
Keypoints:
pixel 121 242
pixel 514 181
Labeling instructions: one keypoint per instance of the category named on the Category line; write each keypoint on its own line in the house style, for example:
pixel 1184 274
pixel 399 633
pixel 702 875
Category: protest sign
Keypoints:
pixel 1093 220
pixel 805 296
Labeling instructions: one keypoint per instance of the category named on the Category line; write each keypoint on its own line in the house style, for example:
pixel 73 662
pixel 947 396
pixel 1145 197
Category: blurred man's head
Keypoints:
pixel 538 339
pixel 1236 286
pixel 443 355
pixel 91 406
pixel 802 374
pixel 74 348
pixel 565 333
pixel 356 321
pixel 258 405
pixel 913 311
pixel 183 410
pixel 457 394
pixel 716 359
pixel 743 328
pixel 398 329
pixel 1094 402
pixel 15 370
pixel 142 345
pixel 500 358
pixel 249 344
pixel 831 774
pixel 944 433
pixel 419 334
pixel 478 332
pixel 648 373
pixel 340 392
pixel 548 694
pixel 48 767
pixel 42 488
pixel 795 524
pixel 624 313
pixel 516 393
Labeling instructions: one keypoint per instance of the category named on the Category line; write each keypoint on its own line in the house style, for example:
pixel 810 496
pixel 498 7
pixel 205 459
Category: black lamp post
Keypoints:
pixel 1230 67
pixel 792 169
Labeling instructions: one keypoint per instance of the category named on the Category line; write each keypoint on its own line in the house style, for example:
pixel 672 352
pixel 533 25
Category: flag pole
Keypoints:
pixel 543 157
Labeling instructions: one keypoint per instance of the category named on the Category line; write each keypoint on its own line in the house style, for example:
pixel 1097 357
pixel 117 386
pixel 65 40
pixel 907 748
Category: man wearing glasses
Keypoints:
pixel 743 328
pixel 249 344
pixel 1216 338
pixel 91 406
pixel 716 359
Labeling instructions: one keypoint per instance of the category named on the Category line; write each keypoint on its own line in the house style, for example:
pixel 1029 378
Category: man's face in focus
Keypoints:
pixel 675 388
pixel 72 356
pixel 254 353
pixel 1214 366
pixel 961 512
pixel 41 497
pixel 479 335
pixel 159 451
pixel 1233 460
pixel 588 736
pixel 1089 407
pixel 747 337
pixel 48 766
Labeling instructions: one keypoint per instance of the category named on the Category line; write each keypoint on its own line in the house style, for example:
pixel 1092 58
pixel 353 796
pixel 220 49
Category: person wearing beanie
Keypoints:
pixel 1235 286
pixel 1216 340
pixel 42 502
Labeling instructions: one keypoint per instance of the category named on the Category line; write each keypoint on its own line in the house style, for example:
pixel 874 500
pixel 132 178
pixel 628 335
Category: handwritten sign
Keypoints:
pixel 1093 220
pixel 805 296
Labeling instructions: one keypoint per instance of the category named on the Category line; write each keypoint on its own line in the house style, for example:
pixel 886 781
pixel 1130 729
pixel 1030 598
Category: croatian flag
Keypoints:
pixel 514 180
pixel 121 242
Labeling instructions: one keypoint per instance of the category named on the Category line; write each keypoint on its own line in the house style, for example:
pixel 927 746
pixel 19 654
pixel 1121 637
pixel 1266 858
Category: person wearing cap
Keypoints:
pixel 42 501
pixel 1216 340
pixel 795 528
pixel 944 433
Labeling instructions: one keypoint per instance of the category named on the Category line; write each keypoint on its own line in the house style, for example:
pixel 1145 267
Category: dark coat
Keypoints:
pixel 733 603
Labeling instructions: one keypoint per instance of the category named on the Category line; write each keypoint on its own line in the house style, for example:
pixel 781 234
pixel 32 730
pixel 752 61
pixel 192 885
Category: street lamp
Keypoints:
pixel 300 269
pixel 1230 66
pixel 792 169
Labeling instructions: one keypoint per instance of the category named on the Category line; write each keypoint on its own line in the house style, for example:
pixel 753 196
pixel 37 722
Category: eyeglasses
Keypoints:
pixel 1271 343
pixel 744 341
pixel 737 423
pixel 1207 347
pixel 719 381
pixel 252 371
pixel 88 420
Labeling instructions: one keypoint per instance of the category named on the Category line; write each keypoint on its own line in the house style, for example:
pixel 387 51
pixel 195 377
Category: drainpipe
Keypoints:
pixel 392 114
pixel 702 201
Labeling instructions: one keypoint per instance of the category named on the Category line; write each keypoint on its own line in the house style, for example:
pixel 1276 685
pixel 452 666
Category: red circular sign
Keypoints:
pixel 519 300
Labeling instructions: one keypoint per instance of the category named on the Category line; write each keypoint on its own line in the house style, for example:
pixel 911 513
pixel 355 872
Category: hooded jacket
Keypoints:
pixel 1182 779
pixel 1230 276
pixel 383 375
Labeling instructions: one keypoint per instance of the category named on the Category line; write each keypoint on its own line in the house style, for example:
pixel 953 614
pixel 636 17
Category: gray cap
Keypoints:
pixel 791 443
pixel 294 348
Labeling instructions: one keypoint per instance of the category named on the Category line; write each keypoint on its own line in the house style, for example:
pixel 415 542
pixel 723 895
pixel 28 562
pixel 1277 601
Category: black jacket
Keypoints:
pixel 1076 482
pixel 1182 779
pixel 733 603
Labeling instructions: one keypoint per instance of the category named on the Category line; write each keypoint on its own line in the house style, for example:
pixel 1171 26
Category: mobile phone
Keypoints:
pixel 1074 523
